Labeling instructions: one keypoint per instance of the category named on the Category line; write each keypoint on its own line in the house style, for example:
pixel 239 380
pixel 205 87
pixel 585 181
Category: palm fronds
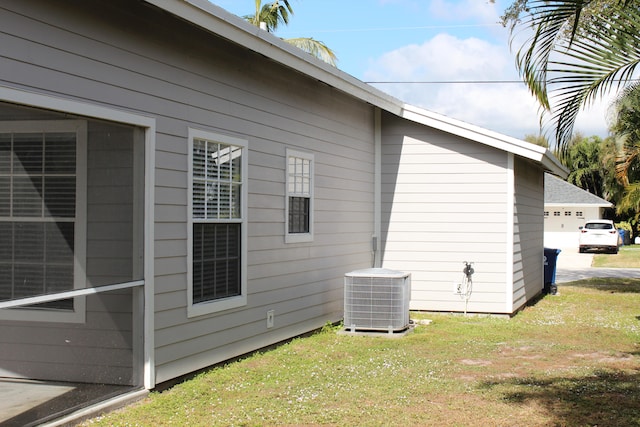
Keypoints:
pixel 568 61
pixel 277 12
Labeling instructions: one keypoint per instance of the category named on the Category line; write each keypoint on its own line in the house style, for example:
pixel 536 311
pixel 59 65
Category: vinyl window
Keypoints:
pixel 42 216
pixel 299 197
pixel 217 219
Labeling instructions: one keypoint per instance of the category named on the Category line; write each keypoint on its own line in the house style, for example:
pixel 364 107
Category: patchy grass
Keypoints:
pixel 627 257
pixel 572 359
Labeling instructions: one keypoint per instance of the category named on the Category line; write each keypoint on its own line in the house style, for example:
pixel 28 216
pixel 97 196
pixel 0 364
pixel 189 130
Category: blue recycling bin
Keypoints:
pixel 550 261
pixel 625 237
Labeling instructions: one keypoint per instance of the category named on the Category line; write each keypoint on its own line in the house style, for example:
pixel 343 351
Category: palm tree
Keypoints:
pixel 579 50
pixel 270 15
pixel 625 127
pixel 584 160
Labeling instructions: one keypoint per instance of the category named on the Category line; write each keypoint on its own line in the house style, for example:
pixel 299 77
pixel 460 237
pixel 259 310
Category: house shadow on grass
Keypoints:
pixel 605 398
pixel 612 285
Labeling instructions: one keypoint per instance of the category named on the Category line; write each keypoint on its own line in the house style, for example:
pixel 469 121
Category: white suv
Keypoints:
pixel 599 234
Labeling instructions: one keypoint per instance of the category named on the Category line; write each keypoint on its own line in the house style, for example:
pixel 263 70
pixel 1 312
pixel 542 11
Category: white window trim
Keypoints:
pixel 298 237
pixel 214 306
pixel 78 314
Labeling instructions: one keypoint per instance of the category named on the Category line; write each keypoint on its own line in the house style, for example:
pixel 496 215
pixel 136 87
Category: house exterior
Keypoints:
pixel 566 208
pixel 178 188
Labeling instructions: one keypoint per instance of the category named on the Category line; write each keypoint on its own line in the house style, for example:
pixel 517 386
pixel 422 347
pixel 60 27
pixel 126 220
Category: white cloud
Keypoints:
pixel 507 107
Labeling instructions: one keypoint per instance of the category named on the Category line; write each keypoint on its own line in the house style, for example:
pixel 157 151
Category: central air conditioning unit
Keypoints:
pixel 377 299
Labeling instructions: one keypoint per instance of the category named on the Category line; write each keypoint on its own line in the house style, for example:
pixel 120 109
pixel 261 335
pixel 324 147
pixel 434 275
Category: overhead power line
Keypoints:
pixel 425 27
pixel 431 82
pixel 445 82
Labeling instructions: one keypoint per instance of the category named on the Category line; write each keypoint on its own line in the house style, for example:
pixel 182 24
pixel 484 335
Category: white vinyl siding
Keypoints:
pixel 444 201
pixel 528 220
pixel 217 222
pixel 299 198
pixel 42 216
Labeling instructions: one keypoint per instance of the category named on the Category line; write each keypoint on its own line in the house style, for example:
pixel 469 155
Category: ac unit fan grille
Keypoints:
pixel 377 302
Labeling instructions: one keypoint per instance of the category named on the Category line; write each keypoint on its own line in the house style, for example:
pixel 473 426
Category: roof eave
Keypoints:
pixel 218 21
pixel 223 24
pixel 493 139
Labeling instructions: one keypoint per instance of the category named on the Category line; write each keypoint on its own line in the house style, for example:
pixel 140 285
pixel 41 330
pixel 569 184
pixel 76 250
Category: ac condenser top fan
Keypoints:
pixel 377 299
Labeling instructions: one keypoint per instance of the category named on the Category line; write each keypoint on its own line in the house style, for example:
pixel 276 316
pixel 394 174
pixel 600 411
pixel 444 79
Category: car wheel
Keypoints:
pixel 614 250
pixel 581 249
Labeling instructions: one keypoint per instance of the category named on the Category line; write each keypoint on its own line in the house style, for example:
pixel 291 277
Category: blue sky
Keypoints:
pixel 428 41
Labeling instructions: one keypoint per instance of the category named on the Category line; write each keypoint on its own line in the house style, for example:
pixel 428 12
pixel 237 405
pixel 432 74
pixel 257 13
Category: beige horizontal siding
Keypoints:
pixel 444 202
pixel 528 269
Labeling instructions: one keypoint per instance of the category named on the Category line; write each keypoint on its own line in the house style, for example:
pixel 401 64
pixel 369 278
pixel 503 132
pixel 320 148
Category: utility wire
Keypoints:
pixel 434 82
pixel 426 27
pixel 429 82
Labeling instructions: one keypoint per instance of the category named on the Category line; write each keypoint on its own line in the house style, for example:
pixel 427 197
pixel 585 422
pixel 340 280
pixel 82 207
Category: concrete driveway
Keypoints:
pixel 572 265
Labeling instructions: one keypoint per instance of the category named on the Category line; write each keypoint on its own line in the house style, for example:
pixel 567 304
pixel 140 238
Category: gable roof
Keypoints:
pixel 217 21
pixel 559 192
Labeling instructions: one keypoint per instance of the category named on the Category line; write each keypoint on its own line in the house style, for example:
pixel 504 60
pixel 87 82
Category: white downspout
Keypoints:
pixel 377 191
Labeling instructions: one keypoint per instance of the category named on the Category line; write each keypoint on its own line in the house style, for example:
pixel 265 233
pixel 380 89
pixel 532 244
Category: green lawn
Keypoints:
pixel 572 359
pixel 627 257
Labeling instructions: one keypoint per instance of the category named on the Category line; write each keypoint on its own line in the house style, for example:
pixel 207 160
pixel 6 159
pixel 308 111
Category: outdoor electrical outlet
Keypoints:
pixel 457 288
pixel 270 315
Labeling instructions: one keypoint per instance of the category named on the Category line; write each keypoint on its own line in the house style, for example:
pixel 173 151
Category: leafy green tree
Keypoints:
pixel 578 50
pixel 270 15
pixel 610 155
pixel 539 139
pixel 584 160
pixel 625 127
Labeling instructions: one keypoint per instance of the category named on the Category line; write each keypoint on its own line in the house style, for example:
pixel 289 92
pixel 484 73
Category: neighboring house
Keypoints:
pixel 566 208
pixel 178 188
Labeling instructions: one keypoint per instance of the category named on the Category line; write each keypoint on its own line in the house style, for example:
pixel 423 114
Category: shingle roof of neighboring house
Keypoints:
pixel 220 22
pixel 559 192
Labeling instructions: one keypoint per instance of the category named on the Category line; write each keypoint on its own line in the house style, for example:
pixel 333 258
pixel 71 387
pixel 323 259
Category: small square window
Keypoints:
pixel 556 213
pixel 567 213
pixel 546 213
pixel 579 213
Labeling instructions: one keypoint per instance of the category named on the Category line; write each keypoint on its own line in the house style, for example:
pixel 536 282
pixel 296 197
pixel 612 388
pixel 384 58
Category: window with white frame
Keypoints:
pixel 41 213
pixel 579 214
pixel 217 279
pixel 299 202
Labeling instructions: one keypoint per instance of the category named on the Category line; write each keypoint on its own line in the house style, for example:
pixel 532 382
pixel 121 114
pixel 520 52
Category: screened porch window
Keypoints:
pixel 38 194
pixel 71 210
pixel 218 170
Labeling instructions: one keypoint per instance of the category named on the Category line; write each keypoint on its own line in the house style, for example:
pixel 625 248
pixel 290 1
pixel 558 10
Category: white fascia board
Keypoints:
pixel 485 136
pixel 218 21
pixel 553 165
